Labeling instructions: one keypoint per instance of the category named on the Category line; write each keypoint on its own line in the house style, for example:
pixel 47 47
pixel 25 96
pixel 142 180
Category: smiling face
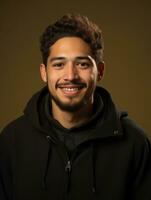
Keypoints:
pixel 71 74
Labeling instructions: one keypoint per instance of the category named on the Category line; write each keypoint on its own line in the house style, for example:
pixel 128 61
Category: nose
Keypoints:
pixel 71 72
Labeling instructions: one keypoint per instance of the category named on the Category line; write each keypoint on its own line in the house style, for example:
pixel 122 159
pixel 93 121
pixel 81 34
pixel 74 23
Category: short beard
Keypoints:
pixel 69 108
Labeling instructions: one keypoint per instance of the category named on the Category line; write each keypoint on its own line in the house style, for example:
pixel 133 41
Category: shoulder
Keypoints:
pixel 14 125
pixel 14 128
pixel 137 137
pixel 133 129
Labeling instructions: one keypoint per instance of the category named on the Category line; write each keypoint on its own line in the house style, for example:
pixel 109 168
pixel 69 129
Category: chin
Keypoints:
pixel 70 107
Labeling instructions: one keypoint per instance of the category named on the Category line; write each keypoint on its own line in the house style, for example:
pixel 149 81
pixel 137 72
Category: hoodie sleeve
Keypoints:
pixel 2 193
pixel 5 166
pixel 141 165
pixel 142 170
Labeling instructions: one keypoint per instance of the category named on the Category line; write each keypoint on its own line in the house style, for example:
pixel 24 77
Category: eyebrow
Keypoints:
pixel 76 58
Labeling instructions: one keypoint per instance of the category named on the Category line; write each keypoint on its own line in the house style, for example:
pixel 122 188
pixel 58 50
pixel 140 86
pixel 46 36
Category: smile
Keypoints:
pixel 71 89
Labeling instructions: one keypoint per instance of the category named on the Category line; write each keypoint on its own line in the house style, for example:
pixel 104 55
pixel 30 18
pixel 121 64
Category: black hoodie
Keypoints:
pixel 108 158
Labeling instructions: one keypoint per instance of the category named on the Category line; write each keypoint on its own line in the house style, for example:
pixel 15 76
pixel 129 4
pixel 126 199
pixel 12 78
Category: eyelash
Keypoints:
pixel 83 65
pixel 58 65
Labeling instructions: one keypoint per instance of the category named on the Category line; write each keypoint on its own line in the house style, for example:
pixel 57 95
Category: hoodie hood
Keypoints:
pixel 32 109
pixel 110 115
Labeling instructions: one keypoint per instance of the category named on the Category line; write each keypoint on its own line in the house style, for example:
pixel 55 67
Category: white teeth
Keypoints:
pixel 71 89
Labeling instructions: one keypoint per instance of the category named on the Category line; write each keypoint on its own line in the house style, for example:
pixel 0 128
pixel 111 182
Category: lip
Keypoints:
pixel 71 86
pixel 71 90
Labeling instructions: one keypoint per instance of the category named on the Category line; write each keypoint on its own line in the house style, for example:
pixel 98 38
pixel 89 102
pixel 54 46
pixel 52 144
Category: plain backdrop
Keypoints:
pixel 126 27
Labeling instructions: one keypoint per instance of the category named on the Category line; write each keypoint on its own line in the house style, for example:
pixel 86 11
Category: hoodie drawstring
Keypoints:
pixel 68 168
pixel 44 185
pixel 92 165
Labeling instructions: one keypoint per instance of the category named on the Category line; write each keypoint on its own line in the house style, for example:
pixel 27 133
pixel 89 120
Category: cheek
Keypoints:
pixel 95 75
pixel 92 78
pixel 51 77
pixel 54 76
pixel 51 81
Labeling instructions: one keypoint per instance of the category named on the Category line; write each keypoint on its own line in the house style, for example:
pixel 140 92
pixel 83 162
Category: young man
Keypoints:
pixel 72 142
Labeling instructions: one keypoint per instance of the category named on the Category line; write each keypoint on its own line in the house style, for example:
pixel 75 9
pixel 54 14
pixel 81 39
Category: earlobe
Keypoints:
pixel 101 67
pixel 43 72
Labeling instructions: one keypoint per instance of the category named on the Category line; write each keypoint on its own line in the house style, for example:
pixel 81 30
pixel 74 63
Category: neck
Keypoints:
pixel 72 119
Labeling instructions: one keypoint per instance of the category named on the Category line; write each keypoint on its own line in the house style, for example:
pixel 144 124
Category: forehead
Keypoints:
pixel 70 46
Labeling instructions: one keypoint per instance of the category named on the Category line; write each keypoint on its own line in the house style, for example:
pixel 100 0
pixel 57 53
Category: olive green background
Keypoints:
pixel 126 27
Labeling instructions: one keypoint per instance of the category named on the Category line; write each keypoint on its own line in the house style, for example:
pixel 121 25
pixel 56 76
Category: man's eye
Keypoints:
pixel 83 64
pixel 58 65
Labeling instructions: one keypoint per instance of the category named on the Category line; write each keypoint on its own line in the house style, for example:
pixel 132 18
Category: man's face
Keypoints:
pixel 71 74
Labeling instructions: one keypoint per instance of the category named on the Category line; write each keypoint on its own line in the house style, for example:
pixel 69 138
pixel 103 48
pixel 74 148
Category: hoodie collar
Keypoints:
pixel 111 126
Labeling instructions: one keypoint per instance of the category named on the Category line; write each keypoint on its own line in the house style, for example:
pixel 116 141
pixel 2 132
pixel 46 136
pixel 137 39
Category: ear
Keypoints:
pixel 43 72
pixel 101 67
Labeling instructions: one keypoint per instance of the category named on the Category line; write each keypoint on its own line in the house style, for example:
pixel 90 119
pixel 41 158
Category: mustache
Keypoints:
pixel 79 84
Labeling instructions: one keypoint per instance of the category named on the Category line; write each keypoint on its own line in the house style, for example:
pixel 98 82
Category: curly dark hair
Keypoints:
pixel 73 25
